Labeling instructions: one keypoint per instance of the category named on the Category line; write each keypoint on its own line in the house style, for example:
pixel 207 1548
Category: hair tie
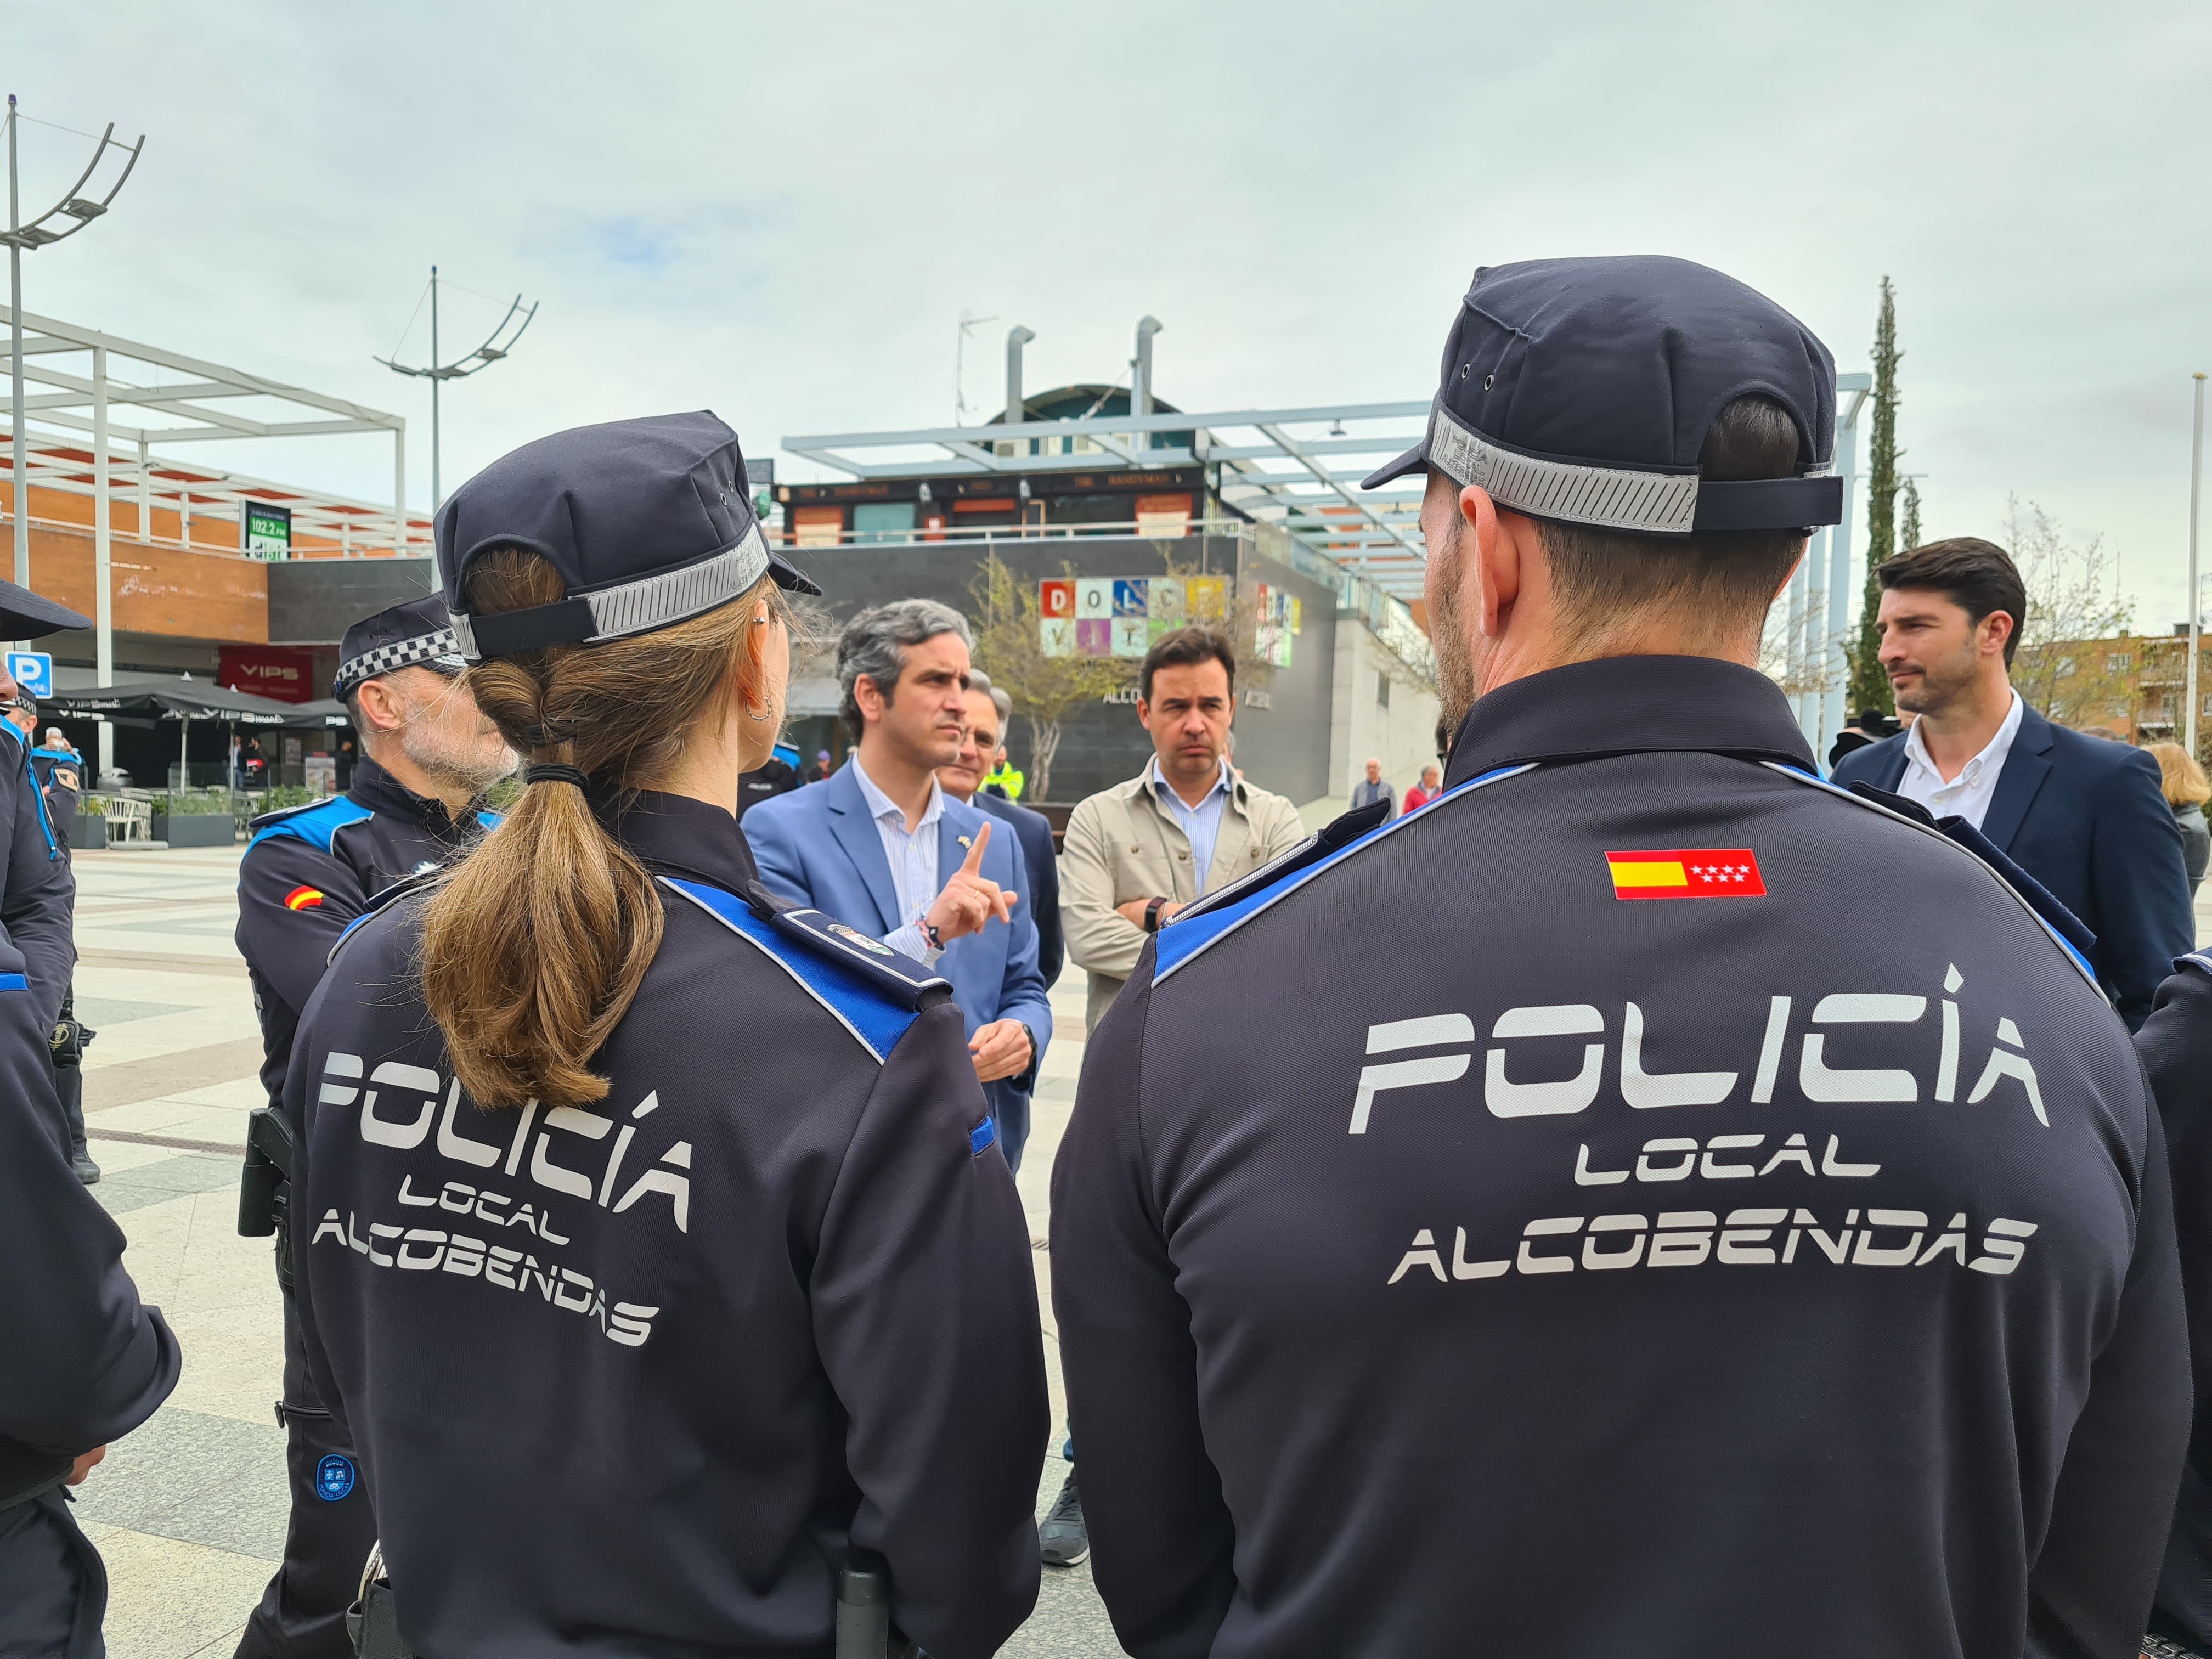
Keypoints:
pixel 549 773
pixel 545 737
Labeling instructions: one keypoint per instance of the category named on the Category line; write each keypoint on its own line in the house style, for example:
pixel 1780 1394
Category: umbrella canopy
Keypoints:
pixel 177 699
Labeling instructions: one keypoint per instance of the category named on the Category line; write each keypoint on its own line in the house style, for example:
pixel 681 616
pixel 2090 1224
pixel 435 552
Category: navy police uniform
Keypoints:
pixel 632 1379
pixel 60 773
pixel 308 872
pixel 86 1361
pixel 1652 1256
pixel 2176 1046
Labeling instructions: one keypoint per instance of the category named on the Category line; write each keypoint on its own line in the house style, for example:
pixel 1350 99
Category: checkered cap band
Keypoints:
pixel 400 653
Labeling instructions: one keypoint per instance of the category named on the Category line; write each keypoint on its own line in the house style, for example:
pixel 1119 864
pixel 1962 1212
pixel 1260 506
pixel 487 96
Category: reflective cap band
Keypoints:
pixel 1618 498
pixel 617 612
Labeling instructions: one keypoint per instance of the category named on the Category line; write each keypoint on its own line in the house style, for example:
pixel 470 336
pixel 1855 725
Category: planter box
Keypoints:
pixel 88 833
pixel 195 829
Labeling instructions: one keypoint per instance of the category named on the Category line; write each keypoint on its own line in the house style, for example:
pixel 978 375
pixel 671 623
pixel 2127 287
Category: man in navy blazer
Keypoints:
pixel 880 846
pixel 989 711
pixel 2086 817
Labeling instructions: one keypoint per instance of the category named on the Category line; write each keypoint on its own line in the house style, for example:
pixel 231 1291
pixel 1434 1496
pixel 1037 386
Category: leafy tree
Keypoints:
pixel 1007 620
pixel 1869 686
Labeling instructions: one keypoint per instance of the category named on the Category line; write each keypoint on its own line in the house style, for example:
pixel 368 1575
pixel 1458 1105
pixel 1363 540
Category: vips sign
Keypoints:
pixel 1121 616
pixel 269 671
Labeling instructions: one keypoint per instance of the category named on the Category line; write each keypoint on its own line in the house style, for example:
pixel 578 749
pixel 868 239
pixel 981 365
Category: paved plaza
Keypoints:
pixel 190 1510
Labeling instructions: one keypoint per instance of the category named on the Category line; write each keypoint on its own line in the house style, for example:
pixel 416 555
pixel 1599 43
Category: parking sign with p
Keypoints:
pixel 33 671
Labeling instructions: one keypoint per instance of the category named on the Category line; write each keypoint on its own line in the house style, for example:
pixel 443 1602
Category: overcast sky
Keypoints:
pixel 780 212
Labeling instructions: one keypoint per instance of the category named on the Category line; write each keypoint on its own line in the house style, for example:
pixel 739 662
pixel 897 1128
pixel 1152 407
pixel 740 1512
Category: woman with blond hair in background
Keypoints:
pixel 650 1235
pixel 2187 789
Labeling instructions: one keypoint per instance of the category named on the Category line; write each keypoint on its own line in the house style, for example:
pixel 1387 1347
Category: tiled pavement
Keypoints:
pixel 190 1510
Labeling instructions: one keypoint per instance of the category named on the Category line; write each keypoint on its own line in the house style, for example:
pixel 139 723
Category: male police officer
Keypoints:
pixel 1597 1248
pixel 428 756
pixel 58 771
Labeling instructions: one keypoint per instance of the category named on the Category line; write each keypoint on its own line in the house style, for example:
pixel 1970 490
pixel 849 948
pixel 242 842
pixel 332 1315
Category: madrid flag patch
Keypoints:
pixel 1687 872
pixel 304 898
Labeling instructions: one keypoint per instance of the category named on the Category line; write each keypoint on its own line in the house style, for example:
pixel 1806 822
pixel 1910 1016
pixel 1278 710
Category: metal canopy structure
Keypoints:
pixel 209 402
pixel 1299 468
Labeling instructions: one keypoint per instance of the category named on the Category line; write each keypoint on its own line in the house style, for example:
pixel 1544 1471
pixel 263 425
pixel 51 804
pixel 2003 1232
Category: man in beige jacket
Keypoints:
pixel 1187 825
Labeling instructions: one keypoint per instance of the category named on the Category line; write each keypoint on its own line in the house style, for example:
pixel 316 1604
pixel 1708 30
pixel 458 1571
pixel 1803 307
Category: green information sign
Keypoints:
pixel 268 532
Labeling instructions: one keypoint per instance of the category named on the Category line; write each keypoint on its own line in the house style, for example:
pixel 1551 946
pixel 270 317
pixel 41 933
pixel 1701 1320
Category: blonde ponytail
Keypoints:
pixel 534 950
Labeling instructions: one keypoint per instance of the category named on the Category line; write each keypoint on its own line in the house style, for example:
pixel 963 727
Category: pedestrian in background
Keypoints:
pixel 1372 788
pixel 1030 827
pixel 2089 820
pixel 1427 790
pixel 2186 791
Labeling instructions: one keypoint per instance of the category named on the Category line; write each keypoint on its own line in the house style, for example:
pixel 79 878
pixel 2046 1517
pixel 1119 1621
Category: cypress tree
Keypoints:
pixel 1869 686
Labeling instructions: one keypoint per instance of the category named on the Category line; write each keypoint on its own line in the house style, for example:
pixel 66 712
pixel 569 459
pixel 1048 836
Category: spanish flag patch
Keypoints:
pixel 1687 872
pixel 303 898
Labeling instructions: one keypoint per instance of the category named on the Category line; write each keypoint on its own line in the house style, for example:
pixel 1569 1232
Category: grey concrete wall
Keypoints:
pixel 314 601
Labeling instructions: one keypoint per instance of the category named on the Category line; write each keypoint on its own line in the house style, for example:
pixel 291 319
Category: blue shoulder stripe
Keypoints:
pixel 876 1022
pixel 314 824
pixel 1181 940
pixel 2058 939
pixel 490 820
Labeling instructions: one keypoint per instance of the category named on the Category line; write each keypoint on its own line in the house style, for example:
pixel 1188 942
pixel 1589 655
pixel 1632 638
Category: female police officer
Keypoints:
pixel 653 1244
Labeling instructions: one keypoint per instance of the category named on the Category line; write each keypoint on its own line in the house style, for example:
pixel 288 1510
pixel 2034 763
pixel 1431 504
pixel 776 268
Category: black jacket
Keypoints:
pixel 2089 819
pixel 2176 1046
pixel 1034 830
pixel 623 1381
pixel 310 870
pixel 39 898
pixel 1567 1221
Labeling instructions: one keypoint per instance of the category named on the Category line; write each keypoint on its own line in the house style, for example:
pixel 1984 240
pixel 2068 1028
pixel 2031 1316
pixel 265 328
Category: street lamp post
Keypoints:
pixel 21 238
pixel 2196 489
pixel 483 357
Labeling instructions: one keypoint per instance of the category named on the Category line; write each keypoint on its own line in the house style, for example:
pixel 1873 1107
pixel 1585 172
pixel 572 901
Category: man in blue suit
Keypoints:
pixel 2085 818
pixel 882 847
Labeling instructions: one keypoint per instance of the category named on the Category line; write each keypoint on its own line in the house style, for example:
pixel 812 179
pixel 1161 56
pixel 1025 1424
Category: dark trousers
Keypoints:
pixel 54 1587
pixel 327 1540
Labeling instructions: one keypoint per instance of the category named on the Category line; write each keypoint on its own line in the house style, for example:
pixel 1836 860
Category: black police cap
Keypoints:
pixel 415 632
pixel 1581 391
pixel 649 523
pixel 28 616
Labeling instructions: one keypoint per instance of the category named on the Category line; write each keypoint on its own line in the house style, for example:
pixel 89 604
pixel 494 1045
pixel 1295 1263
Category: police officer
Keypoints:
pixel 653 1246
pixel 2176 1046
pixel 86 1361
pixel 776 776
pixel 416 802
pixel 58 771
pixel 1575 1218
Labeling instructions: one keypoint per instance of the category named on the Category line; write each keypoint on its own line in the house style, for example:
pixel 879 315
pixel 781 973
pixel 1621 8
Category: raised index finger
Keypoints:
pixel 973 863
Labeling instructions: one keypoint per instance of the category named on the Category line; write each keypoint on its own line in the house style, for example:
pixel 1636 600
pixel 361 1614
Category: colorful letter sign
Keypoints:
pixel 1056 635
pixel 1056 600
pixel 1094 598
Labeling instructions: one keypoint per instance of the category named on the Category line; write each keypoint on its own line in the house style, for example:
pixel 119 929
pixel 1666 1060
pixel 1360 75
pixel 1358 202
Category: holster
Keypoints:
pixel 265 1185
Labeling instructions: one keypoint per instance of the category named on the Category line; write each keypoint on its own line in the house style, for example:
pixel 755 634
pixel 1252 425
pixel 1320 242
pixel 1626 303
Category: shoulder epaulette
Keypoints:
pixel 1215 917
pixel 316 822
pixel 2061 924
pixel 873 991
pixel 383 900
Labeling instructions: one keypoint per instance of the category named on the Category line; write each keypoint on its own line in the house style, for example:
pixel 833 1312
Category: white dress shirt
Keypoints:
pixel 912 859
pixel 1968 795
pixel 1201 824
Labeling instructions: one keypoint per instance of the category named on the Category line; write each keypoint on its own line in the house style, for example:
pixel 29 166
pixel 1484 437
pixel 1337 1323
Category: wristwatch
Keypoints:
pixel 1152 908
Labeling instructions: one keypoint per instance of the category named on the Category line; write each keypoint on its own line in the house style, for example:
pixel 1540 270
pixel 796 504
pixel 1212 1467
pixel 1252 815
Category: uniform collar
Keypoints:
pixel 681 836
pixel 379 791
pixel 1628 706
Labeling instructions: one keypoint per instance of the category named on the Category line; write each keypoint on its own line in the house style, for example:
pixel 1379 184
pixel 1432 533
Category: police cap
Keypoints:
pixel 28 616
pixel 1581 391
pixel 649 523
pixel 415 633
